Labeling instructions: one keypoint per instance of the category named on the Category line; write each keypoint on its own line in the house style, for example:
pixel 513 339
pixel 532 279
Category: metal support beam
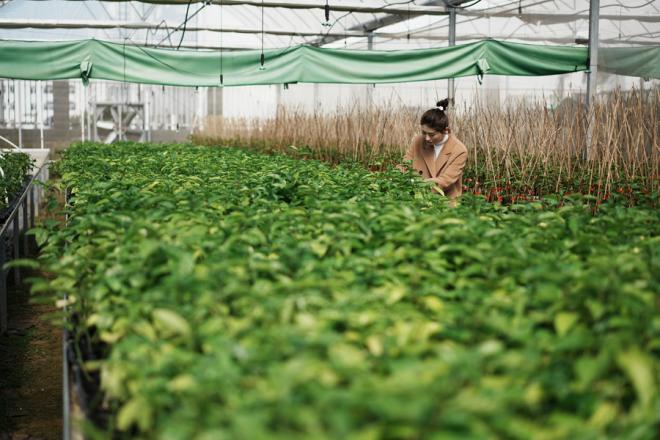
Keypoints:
pixel 83 105
pixel 424 8
pixel 557 17
pixel 26 226
pixel 594 6
pixel 98 24
pixel 385 9
pixel 16 230
pixel 40 112
pixel 371 25
pixel 132 43
pixel 32 208
pixel 593 49
pixel 3 286
pixel 361 31
pixel 414 10
pixel 18 108
pixel 369 95
pixel 452 42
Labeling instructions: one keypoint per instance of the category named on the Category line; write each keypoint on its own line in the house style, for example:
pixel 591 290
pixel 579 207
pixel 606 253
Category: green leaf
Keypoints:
pixel 171 323
pixel 638 366
pixel 347 356
pixel 22 263
pixel 564 321
pixel 135 412
pixel 319 248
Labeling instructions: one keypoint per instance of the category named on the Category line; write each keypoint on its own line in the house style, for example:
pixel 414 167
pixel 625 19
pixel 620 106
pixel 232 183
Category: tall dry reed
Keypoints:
pixel 522 148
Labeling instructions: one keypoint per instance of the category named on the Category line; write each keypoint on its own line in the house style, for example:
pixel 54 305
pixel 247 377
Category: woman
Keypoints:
pixel 436 154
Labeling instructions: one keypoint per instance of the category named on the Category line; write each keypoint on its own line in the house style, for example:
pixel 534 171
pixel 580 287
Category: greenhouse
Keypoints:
pixel 334 219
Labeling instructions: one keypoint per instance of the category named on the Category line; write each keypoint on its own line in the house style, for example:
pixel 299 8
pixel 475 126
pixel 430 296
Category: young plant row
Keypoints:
pixel 518 151
pixel 228 294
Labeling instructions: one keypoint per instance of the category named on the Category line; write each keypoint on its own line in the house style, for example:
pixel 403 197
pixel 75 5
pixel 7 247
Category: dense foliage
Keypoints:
pixel 16 167
pixel 518 151
pixel 511 184
pixel 244 296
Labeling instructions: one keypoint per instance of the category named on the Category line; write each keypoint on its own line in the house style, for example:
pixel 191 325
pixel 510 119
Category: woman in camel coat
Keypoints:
pixel 436 154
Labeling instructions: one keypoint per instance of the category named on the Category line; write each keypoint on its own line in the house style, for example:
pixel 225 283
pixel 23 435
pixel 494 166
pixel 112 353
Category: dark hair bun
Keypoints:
pixel 444 104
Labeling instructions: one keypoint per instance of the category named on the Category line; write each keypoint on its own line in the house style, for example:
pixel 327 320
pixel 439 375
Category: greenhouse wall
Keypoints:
pixel 173 113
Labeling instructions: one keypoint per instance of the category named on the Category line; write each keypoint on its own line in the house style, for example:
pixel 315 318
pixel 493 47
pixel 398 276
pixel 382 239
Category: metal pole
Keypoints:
pixel 19 116
pixel 17 255
pixel 66 400
pixel 82 114
pixel 40 113
pixel 147 112
pixel 87 113
pixel 370 46
pixel 594 6
pixel 452 42
pixel 32 207
pixel 4 89
pixel 315 96
pixel 25 226
pixel 120 110
pixel 3 287
pixel 197 120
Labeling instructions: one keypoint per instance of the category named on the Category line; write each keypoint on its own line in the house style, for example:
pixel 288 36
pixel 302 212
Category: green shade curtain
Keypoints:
pixel 632 61
pixel 95 59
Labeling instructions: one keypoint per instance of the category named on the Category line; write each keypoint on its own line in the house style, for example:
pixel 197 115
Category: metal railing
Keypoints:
pixel 13 235
pixel 66 349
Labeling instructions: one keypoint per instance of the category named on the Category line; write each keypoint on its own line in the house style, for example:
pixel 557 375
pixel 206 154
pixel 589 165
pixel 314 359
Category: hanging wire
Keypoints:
pixel 125 90
pixel 341 17
pixel 468 20
pixel 221 71
pixel 464 6
pixel 408 23
pixel 185 22
pixel 188 18
pixel 263 57
pixel 327 14
pixel 628 7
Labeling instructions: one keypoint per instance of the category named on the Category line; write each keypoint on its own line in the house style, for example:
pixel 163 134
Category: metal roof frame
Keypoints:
pixel 383 16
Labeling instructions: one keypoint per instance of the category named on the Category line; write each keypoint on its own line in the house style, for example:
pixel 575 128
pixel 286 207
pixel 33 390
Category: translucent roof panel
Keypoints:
pixel 538 21
pixel 633 22
pixel 170 17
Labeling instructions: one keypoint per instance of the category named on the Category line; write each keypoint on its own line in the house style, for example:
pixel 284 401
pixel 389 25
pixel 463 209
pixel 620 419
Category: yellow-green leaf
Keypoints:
pixel 564 321
pixel 638 367
pixel 136 411
pixel 171 323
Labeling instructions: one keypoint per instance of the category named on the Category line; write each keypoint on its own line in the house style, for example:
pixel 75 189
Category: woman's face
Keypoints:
pixel 431 136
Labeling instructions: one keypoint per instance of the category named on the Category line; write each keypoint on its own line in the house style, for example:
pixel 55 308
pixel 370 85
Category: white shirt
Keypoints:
pixel 438 147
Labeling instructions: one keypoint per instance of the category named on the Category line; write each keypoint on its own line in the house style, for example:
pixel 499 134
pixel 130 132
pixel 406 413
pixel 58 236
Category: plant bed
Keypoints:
pixel 9 208
pixel 228 294
pixel 16 167
pixel 86 384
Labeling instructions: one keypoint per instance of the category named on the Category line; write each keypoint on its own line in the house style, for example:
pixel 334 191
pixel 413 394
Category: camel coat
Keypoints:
pixel 447 170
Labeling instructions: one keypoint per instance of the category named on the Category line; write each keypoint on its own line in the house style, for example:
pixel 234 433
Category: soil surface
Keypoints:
pixel 30 370
pixel 31 361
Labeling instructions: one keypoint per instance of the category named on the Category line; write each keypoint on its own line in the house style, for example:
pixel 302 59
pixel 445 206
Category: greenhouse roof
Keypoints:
pixel 294 27
pixel 396 24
